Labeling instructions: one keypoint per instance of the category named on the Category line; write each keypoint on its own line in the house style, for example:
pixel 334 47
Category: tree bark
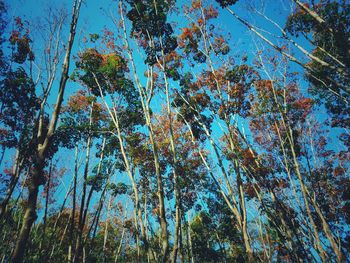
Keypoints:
pixel 41 145
pixel 145 101
pixel 14 180
pixel 28 220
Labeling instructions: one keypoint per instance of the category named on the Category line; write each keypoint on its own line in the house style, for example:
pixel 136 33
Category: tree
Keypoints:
pixel 184 135
pixel 41 142
pixel 326 26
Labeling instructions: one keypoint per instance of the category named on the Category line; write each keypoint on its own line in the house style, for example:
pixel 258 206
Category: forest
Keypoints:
pixel 174 131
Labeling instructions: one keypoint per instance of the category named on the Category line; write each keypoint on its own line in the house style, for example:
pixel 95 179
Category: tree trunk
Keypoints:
pixel 29 214
pixel 78 245
pixel 47 199
pixel 41 145
pixel 72 219
pixel 145 106
pixel 14 180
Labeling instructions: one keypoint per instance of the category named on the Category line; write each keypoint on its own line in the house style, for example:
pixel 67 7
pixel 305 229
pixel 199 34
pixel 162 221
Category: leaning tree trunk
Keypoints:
pixel 41 144
pixel 30 213
pixel 79 241
pixel 145 101
pixel 17 169
pixel 174 161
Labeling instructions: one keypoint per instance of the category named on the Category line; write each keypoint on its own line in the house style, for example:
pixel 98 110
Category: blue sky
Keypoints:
pixel 94 17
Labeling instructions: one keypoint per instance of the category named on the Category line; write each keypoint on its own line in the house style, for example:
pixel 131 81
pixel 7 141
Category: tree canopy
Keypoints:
pixel 175 131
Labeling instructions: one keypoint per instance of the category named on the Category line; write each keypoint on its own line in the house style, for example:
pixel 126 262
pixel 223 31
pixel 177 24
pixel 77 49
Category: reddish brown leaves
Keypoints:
pixel 304 104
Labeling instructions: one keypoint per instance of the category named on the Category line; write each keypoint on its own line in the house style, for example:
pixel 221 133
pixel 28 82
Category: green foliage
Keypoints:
pixel 226 3
pixel 192 104
pixel 19 104
pixel 8 228
pixel 18 99
pixel 3 23
pixel 94 37
pixel 98 254
pixel 149 23
pixel 119 188
pixel 106 70
pixel 99 175
pixel 331 44
pixel 211 232
pixel 105 73
pixel 203 239
pixel 230 147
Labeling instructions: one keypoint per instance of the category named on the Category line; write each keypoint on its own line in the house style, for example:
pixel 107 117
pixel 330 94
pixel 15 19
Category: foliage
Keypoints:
pixel 176 142
pixel 150 27
pixel 331 44
pixel 225 3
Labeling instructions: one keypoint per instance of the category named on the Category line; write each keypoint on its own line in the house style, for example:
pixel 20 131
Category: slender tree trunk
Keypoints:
pixel 145 106
pixel 189 239
pixel 240 215
pixel 47 199
pixel 138 212
pixel 2 154
pixel 51 240
pixel 242 206
pixel 174 166
pixel 82 214
pixel 106 229
pixel 244 227
pixel 72 219
pixel 92 188
pixel 17 169
pixel 96 217
pixel 120 246
pixel 162 216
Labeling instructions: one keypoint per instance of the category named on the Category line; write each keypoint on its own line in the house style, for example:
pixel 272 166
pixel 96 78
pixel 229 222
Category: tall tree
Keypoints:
pixel 42 142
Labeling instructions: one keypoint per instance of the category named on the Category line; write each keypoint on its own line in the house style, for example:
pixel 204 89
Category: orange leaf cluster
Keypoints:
pixel 78 102
pixel 210 13
pixel 264 85
pixel 196 4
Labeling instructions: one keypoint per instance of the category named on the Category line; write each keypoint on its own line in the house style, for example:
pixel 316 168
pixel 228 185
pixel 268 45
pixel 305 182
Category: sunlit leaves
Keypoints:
pixel 102 71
